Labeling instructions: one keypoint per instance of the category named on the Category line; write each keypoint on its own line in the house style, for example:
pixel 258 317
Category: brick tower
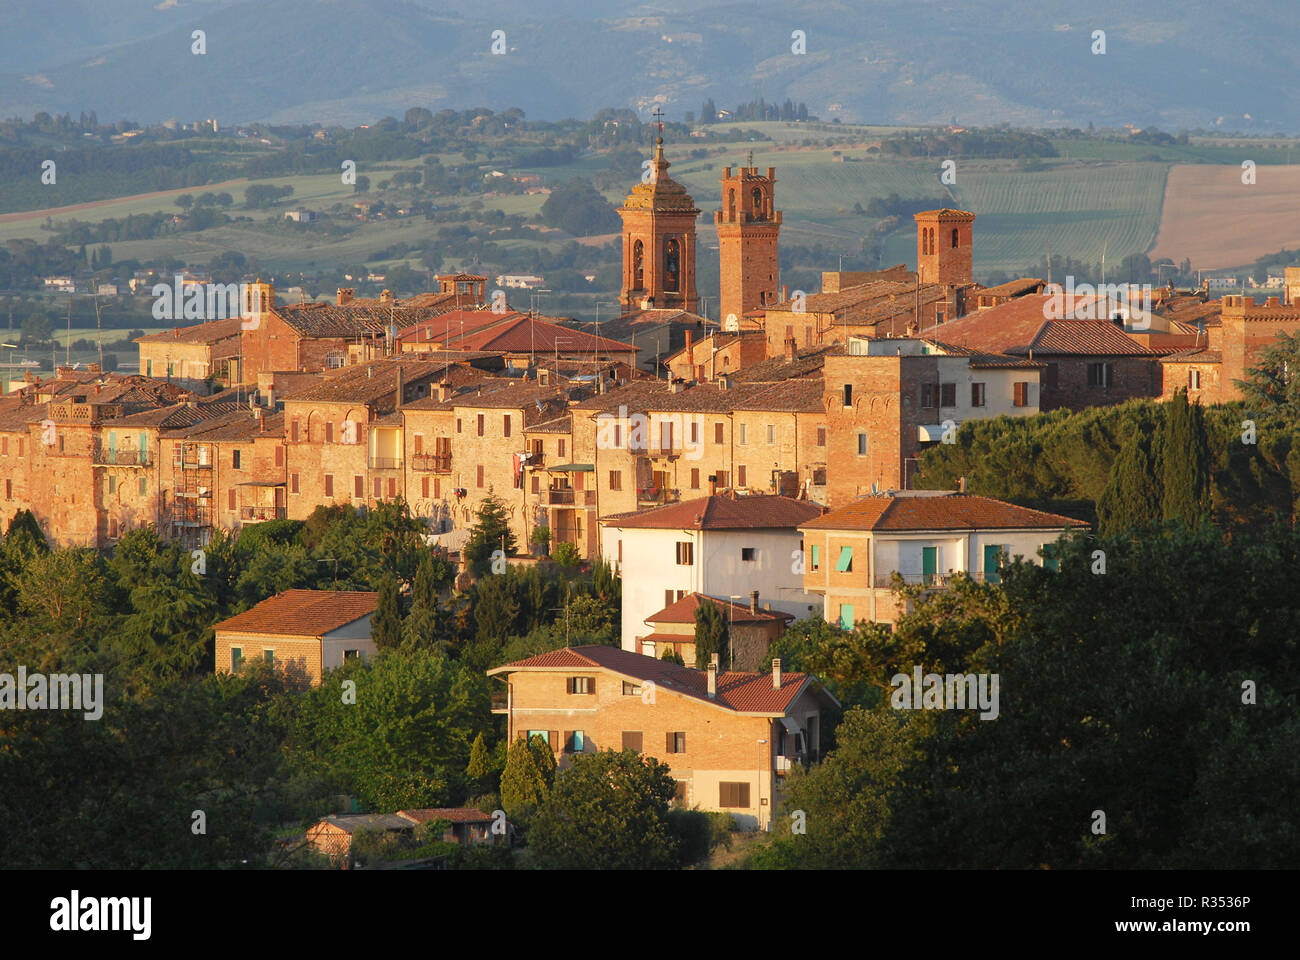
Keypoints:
pixel 659 241
pixel 748 225
pixel 943 246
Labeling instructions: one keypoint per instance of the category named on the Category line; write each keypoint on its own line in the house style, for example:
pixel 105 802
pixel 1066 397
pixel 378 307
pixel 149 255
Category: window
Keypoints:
pixel 676 742
pixel 733 795
pixel 359 487
pixel 848 394
pixel 666 435
pixel 748 554
pixel 1100 374
pixel 574 742
pixel 862 444
pixel 845 564
pixel 1193 379
pixel 631 690
pixel 279 456
pixel 929 394
pixel 458 429
pixel 1051 559
pixel 977 394
pixel 580 684
pixel 392 487
pixel 144 486
pixel 424 487
pixel 846 616
pixel 545 735
pixel 740 475
pixel 329 431
pixel 668 594
pixel 112 484
pixel 717 433
pixel 293 483
pixel 351 654
pixel 559 447
pixel 816 557
pixel 722 478
pixel 947 394
pixel 695 478
pixel 685 553
pixel 230 499
pixel 771 433
pixel 742 436
pixel 821 436
pixel 954 236
pixel 695 431
pixel 480 424
pixel 672 266
pixel 329 485
pixel 379 488
pixel 505 425
pixel 1020 393
pixel 616 479
pixel 537 485
pixel 269 656
pixel 632 740
pixel 480 474
pixel 234 460
pixel 679 791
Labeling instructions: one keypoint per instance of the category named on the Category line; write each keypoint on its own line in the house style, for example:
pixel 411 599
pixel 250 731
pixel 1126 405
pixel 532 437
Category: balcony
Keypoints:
pixel 107 456
pixel 385 463
pixel 431 462
pixel 655 496
pixel 261 514
pixel 886 580
pixel 560 496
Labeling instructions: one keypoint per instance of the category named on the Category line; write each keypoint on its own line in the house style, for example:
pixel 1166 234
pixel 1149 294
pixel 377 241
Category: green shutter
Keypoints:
pixel 815 560
pixel 846 616
pixel 1050 559
pixel 992 556
pixel 846 560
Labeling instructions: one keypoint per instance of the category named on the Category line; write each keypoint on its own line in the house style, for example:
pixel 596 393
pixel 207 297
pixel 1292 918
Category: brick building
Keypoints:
pixel 727 737
pixel 748 227
pixel 191 355
pixel 1230 346
pixel 303 632
pixel 659 242
pixel 750 629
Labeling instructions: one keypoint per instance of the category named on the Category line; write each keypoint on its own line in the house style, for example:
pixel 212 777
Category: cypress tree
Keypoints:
pixel 710 635
pixel 1131 500
pixel 1186 456
pixel 386 624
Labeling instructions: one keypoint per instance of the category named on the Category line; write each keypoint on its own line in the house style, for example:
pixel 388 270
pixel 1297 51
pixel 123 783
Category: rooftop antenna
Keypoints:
pixel 99 328
pixel 1049 263
pixel 67 347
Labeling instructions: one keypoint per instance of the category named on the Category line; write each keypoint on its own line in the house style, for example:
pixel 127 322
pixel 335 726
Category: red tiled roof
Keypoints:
pixel 722 512
pixel 741 692
pixel 450 325
pixel 210 332
pixel 683 611
pixel 543 336
pixel 1025 324
pixel 303 613
pixel 955 511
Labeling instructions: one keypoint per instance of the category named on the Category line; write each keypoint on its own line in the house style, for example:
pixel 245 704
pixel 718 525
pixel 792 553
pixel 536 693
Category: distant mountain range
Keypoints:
pixel 1168 63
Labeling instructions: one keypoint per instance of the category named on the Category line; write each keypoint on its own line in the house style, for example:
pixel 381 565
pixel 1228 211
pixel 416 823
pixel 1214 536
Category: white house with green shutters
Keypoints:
pixel 926 536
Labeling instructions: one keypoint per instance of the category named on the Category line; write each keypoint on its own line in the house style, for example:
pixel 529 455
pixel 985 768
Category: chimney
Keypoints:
pixel 344 296
pixel 753 601
pixel 95 368
pixel 785 292
pixel 401 386
pixel 690 355
pixel 386 296
pixel 961 484
pixel 444 391
pixel 713 676
pixel 724 382
pixel 713 484
pixel 776 673
pixel 791 349
pixel 370 372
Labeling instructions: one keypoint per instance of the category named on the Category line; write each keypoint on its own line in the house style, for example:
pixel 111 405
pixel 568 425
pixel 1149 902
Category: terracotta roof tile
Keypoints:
pixel 302 613
pixel 1022 324
pixel 741 692
pixel 683 611
pixel 722 512
pixel 951 511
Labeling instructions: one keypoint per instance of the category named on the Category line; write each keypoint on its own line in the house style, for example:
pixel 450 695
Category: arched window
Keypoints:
pixel 757 197
pixel 731 205
pixel 932 240
pixel 638 266
pixel 954 236
pixel 672 266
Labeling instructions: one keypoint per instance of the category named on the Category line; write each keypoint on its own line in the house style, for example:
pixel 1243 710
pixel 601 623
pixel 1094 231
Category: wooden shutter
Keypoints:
pixel 669 743
pixel 553 739
pixel 568 741
pixel 742 794
pixel 568 684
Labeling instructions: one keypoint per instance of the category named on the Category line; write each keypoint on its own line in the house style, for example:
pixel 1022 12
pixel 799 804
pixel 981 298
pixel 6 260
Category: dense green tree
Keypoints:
pixel 386 624
pixel 608 811
pixel 578 208
pixel 1186 462
pixel 490 532
pixel 1132 498
pixel 526 780
pixel 710 636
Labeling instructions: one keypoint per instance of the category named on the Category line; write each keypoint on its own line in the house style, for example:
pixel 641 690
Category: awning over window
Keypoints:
pixel 791 725
pixel 573 468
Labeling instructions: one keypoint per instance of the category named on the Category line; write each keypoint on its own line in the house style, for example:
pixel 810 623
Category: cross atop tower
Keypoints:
pixel 659 117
